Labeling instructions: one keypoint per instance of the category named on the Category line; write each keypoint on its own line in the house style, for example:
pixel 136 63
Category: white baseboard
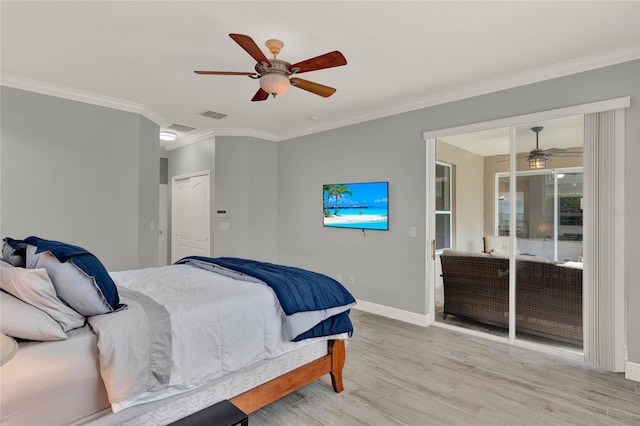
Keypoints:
pixel 632 371
pixel 393 313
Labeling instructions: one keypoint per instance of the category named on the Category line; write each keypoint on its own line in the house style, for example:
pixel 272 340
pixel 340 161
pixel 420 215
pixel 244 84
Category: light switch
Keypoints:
pixel 413 232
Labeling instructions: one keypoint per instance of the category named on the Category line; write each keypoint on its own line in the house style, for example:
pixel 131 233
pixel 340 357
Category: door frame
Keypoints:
pixel 510 122
pixel 174 207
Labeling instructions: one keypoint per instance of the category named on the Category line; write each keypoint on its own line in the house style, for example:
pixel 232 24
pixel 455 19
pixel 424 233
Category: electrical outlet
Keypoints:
pixel 339 278
pixel 352 280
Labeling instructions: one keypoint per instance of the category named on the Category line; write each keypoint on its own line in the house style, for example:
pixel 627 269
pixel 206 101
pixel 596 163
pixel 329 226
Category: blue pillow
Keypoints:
pixel 80 279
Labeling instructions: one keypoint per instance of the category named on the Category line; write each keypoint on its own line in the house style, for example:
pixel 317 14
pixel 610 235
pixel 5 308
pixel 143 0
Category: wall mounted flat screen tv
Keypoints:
pixel 363 205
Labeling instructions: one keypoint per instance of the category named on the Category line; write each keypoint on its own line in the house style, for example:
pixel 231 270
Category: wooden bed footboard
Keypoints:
pixel 332 363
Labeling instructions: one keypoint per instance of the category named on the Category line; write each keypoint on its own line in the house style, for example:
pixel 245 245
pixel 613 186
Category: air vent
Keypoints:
pixel 181 128
pixel 213 114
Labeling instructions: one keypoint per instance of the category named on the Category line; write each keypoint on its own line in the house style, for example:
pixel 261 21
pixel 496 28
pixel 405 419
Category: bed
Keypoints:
pixel 176 339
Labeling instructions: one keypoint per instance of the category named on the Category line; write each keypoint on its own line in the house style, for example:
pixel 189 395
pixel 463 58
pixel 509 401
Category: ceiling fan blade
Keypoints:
pixel 250 47
pixel 519 157
pixel 315 88
pixel 565 154
pixel 328 60
pixel 224 73
pixel 260 95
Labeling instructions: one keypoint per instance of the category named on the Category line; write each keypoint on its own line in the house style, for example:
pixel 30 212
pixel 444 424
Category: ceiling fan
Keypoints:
pixel 275 74
pixel 538 158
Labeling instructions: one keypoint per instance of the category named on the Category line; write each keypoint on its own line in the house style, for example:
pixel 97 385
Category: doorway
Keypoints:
pixel 514 202
pixel 190 219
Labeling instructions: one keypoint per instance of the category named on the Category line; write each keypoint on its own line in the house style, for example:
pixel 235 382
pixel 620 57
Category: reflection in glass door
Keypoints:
pixel 549 234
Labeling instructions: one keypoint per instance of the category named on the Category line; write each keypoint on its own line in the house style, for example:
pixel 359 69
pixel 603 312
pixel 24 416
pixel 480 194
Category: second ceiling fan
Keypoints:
pixel 538 158
pixel 275 75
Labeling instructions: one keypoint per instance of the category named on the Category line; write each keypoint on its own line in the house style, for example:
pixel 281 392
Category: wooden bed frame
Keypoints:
pixel 263 395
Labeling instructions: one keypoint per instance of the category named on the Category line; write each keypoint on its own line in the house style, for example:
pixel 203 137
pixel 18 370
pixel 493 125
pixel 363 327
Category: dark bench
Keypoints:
pixel 224 413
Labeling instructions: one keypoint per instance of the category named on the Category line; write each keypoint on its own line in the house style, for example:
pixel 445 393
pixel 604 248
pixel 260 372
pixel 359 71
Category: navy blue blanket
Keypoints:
pixel 297 290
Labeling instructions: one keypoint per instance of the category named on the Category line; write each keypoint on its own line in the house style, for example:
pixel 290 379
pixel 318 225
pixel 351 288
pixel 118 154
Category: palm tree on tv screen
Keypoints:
pixel 336 192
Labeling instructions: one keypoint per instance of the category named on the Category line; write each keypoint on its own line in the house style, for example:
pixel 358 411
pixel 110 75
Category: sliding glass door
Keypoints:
pixel 515 210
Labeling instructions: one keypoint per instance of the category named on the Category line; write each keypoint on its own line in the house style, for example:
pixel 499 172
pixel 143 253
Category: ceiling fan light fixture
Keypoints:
pixel 274 83
pixel 537 162
pixel 168 136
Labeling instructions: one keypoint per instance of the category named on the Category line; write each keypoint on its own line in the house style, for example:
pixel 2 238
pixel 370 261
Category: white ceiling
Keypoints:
pixel 563 133
pixel 140 56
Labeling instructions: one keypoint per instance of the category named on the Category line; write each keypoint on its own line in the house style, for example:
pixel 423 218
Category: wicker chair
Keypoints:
pixel 548 296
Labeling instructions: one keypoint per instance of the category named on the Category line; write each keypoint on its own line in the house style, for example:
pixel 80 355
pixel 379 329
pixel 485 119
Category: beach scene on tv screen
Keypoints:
pixel 356 205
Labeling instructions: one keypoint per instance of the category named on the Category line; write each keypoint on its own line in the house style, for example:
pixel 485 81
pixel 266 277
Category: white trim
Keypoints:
pixel 16 82
pixel 253 133
pixel 513 228
pixel 620 304
pixel 563 353
pixel 430 230
pixel 197 137
pixel 632 371
pixel 190 175
pixel 471 332
pixel 187 140
pixel 393 313
pixel 582 109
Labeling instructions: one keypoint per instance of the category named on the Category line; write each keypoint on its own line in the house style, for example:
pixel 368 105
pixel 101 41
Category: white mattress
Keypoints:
pixel 171 409
pixel 59 383
pixel 53 383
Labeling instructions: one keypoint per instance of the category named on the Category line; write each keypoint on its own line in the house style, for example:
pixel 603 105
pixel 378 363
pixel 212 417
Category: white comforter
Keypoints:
pixel 218 325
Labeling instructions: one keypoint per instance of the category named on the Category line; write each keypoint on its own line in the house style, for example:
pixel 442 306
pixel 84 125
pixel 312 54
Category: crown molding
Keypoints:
pixel 561 69
pixel 536 75
pixel 197 137
pixel 16 82
pixel 187 140
pixel 248 132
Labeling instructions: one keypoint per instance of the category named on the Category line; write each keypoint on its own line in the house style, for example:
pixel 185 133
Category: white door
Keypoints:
pixel 190 220
pixel 162 226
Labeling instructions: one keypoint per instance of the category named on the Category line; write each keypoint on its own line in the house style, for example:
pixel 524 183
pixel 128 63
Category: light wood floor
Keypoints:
pixel 400 374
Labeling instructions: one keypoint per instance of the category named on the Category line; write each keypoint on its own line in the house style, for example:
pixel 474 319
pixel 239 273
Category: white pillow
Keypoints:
pixel 34 287
pixel 21 320
pixel 72 285
pixel 570 264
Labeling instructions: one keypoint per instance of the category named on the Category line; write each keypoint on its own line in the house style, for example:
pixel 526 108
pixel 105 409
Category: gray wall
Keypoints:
pixel 388 266
pixel 80 173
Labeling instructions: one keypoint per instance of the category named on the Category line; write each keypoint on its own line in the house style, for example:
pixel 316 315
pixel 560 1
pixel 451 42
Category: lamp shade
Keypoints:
pixel 8 348
pixel 537 162
pixel 274 83
pixel 543 228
